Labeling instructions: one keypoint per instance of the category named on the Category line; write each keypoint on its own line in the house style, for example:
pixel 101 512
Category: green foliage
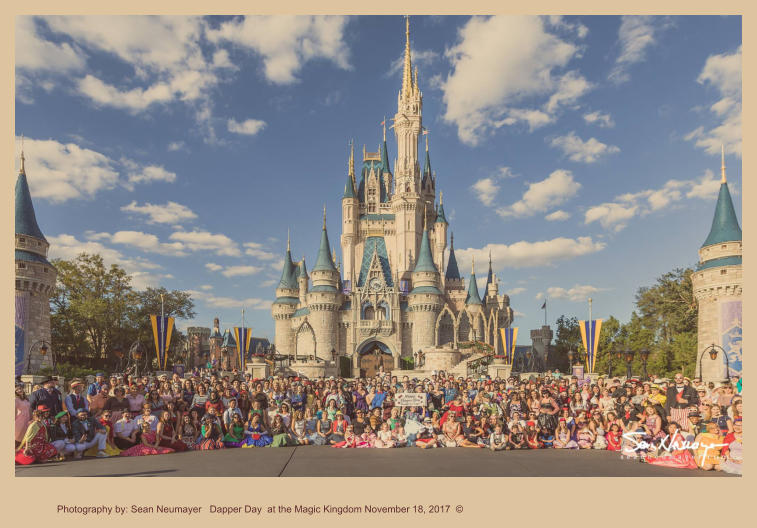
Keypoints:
pixel 567 337
pixel 68 371
pixel 95 310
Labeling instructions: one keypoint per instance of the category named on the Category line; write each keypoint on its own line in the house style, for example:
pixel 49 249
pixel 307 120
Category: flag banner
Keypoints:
pixel 243 336
pixel 590 337
pixel 21 304
pixel 509 338
pixel 162 328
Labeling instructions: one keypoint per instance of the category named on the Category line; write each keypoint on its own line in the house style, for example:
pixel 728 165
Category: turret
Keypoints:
pixel 287 299
pixel 425 300
pixel 492 289
pixel 473 299
pixel 350 217
pixel 302 279
pixel 324 297
pixel 452 279
pixel 440 234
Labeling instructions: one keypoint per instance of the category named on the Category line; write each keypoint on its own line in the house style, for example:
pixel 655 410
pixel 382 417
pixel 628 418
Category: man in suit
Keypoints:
pixel 48 395
pixel 679 398
pixel 76 400
pixel 89 432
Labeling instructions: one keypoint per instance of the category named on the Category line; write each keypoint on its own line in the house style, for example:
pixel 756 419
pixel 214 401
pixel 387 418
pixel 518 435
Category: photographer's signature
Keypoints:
pixel 666 444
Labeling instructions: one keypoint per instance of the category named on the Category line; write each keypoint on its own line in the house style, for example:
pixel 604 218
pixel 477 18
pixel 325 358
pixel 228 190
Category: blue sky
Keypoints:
pixel 583 152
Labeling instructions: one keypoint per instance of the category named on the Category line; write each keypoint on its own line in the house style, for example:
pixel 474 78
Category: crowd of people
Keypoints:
pixel 678 423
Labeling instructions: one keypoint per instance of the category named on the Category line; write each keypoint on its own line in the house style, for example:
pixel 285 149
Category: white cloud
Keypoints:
pixel 145 241
pixel 256 250
pixel 237 271
pixel 516 291
pixel 268 283
pixel 486 190
pixel 141 271
pixel 500 64
pixel 722 72
pixel 286 43
pixel 541 196
pixel 145 174
pixel 582 151
pixel 33 53
pixel 175 145
pixel 167 213
pixel 635 36
pixel 577 293
pixel 604 120
pixel 248 127
pixel 615 215
pixel 557 216
pixel 206 287
pixel 525 254
pixel 205 241
pixel 418 58
pixel 213 266
pixel 58 172
pixel 214 301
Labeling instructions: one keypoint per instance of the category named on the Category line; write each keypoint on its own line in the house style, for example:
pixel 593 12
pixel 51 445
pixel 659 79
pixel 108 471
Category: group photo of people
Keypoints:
pixel 678 423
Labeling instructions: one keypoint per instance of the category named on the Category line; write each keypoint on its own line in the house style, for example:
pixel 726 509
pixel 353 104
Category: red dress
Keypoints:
pixel 142 449
pixel 177 445
pixel 613 441
pixel 40 448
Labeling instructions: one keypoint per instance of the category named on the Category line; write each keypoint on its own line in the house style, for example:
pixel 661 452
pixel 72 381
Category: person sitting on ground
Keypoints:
pixel 167 433
pixel 384 437
pixel 497 439
pixel 256 434
pixel 426 436
pixel 149 444
pixel 211 435
pixel 62 435
pixel 451 433
pixel 235 436
pixel 517 439
pixel 280 433
pixel 35 445
pixel 126 431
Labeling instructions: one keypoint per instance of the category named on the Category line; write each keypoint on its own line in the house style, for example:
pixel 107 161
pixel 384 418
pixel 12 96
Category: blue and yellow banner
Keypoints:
pixel 243 336
pixel 162 328
pixel 509 338
pixel 590 337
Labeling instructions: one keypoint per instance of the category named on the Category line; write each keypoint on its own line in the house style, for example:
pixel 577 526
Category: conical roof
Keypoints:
pixel 452 271
pixel 489 277
pixel 473 297
pixel 26 220
pixel 302 270
pixel 440 218
pixel 725 224
pixel 288 273
pixel 349 188
pixel 385 157
pixel 425 260
pixel 324 262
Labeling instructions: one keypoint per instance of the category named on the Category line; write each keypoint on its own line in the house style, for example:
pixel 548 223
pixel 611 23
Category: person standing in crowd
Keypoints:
pixel 23 413
pixel 679 398
pixel 75 400
pixel 117 403
pixel 48 396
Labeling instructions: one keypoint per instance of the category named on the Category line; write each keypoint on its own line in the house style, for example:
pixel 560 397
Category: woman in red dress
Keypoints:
pixel 167 434
pixel 150 444
pixel 35 446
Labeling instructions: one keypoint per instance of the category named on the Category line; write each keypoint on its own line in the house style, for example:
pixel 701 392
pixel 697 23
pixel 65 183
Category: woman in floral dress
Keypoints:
pixel 35 442
pixel 23 413
pixel 256 434
pixel 150 444
pixel 211 436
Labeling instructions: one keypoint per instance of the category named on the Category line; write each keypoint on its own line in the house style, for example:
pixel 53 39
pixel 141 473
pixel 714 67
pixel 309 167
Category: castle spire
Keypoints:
pixel 324 261
pixel 26 219
pixel 23 170
pixel 452 271
pixel 473 296
pixel 324 217
pixel 490 275
pixel 725 223
pixel 289 245
pixel 425 261
pixel 722 162
pixel 407 74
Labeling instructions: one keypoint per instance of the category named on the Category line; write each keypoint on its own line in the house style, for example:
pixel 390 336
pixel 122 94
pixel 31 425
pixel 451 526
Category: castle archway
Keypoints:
pixel 374 357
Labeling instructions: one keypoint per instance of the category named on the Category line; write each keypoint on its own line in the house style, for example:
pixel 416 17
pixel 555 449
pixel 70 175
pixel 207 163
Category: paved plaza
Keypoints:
pixel 314 461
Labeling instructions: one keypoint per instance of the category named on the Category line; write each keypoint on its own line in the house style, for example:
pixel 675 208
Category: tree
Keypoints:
pixel 568 337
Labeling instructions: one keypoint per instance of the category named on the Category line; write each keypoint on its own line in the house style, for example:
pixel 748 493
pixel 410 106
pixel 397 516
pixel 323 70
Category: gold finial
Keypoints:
pixel 472 265
pixel 23 171
pixel 441 197
pixel 407 79
pixel 324 216
pixel 384 124
pixel 352 158
pixel 722 163
pixel 289 247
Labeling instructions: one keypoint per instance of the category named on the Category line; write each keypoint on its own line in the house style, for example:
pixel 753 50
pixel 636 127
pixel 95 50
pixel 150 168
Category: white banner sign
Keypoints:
pixel 410 399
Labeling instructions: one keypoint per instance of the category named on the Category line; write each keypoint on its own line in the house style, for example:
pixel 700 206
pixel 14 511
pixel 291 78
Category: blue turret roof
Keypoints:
pixel 489 277
pixel 228 340
pixel 288 273
pixel 302 270
pixel 349 189
pixel 324 262
pixel 725 224
pixel 385 158
pixel 425 261
pixel 452 271
pixel 26 220
pixel 473 297
pixel 440 218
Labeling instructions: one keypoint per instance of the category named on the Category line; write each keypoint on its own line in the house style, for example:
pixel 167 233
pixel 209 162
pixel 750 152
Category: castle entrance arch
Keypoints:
pixel 374 357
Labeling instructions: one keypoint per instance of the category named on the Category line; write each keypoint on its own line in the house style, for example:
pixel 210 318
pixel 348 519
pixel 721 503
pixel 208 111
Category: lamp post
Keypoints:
pixel 644 354
pixel 571 355
pixel 629 358
pixel 713 350
pixel 42 352
pixel 119 358
pixel 135 351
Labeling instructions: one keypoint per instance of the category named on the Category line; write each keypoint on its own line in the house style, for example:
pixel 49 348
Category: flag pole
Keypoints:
pixel 545 311
pixel 163 333
pixel 590 338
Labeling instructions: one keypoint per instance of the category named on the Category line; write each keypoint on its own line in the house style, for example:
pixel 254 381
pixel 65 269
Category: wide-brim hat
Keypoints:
pixel 43 408
pixel 60 414
pixel 76 384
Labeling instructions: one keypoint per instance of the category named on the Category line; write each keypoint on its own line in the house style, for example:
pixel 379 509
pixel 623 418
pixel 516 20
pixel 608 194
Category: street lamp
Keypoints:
pixel 644 354
pixel 571 355
pixel 713 350
pixel 629 358
pixel 135 351
pixel 42 352
pixel 119 355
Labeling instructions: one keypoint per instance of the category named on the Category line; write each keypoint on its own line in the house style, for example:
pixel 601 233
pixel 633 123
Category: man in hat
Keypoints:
pixel 48 396
pixel 89 432
pixel 75 401
pixel 126 431
pixel 679 398
pixel 695 425
pixel 94 388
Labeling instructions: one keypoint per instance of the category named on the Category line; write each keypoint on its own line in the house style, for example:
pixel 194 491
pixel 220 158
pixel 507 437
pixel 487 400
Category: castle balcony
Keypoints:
pixel 377 327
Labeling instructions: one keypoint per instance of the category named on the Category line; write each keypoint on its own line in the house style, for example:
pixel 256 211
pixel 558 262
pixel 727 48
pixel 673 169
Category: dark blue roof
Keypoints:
pixel 440 218
pixel 425 261
pixel 385 159
pixel 324 262
pixel 228 340
pixel 27 256
pixel 725 225
pixel 725 261
pixel 26 220
pixel 349 188
pixel 489 277
pixel 452 271
pixel 379 245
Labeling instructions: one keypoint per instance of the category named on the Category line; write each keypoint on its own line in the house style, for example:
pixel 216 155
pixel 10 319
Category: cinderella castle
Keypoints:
pixel 391 301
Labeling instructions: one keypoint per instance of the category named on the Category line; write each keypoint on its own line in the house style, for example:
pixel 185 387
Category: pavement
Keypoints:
pixel 315 461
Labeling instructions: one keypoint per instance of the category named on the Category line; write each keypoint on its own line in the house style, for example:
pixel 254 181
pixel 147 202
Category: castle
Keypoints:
pixel 717 284
pixel 391 299
pixel 35 284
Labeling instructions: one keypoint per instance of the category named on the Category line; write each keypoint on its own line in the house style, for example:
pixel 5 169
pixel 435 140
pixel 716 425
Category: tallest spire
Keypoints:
pixel 407 74
pixel 722 163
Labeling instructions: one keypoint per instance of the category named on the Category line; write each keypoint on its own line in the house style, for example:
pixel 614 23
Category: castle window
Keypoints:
pixel 723 246
pixel 723 272
pixel 21 265
pixel 22 239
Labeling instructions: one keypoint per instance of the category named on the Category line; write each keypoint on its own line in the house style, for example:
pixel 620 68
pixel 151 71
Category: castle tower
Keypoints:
pixel 324 299
pixel 492 288
pixel 425 300
pixel 717 284
pixel 350 219
pixel 440 235
pixel 35 284
pixel 452 279
pixel 287 298
pixel 302 280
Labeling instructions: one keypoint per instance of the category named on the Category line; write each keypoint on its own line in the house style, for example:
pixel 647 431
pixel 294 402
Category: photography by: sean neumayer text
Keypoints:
pixel 247 509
